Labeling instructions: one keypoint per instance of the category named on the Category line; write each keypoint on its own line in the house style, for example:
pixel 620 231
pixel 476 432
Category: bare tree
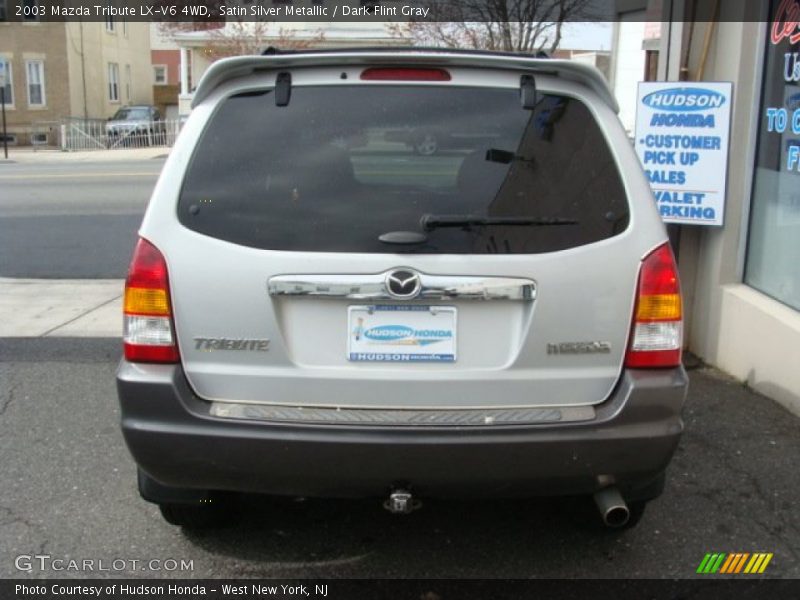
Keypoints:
pixel 238 38
pixel 506 25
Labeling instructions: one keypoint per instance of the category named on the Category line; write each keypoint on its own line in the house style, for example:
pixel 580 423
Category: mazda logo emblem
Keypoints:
pixel 403 285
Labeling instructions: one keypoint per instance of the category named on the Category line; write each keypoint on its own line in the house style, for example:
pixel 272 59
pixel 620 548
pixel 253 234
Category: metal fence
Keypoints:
pixel 97 134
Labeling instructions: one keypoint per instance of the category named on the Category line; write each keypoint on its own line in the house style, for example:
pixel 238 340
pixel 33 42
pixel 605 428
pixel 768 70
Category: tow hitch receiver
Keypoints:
pixel 401 502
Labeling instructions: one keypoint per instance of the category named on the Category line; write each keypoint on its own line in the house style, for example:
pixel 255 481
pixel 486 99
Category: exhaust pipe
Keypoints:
pixel 612 507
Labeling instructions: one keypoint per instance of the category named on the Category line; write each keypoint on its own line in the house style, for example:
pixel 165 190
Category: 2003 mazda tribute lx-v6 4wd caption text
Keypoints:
pixel 316 309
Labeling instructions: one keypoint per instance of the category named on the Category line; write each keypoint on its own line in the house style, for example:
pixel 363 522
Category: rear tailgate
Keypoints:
pixel 279 276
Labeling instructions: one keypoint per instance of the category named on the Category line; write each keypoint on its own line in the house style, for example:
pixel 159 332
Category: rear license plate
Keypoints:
pixel 382 333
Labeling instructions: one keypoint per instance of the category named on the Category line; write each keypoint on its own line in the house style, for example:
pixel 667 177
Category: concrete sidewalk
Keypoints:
pixel 61 307
pixel 29 155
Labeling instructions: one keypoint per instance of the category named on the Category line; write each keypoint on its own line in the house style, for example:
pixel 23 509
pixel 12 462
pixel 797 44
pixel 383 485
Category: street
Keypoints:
pixel 72 220
pixel 69 485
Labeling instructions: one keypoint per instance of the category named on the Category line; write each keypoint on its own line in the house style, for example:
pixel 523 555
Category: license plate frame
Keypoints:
pixel 391 333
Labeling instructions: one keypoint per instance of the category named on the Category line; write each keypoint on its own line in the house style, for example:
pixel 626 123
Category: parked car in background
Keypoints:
pixel 429 141
pixel 139 124
pixel 315 309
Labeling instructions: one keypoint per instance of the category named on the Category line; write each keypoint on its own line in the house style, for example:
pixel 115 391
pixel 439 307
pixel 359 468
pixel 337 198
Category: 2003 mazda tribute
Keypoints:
pixel 317 308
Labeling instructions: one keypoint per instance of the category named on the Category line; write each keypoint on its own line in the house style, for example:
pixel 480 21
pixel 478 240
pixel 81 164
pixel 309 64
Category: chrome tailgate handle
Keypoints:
pixel 377 287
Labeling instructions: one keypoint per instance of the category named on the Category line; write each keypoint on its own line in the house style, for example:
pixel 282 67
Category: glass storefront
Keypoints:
pixel 773 251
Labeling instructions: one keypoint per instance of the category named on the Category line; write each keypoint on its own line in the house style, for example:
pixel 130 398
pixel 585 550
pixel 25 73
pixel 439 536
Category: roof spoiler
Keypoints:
pixel 242 66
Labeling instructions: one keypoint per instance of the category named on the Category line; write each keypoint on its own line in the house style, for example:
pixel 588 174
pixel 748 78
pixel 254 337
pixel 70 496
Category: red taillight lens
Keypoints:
pixel 657 336
pixel 148 334
pixel 404 74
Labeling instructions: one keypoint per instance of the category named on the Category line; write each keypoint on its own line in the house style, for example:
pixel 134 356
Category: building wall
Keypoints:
pixel 628 66
pixel 728 323
pixel 165 98
pixel 75 56
pixel 164 51
pixel 127 45
pixel 172 60
pixel 734 326
pixel 20 42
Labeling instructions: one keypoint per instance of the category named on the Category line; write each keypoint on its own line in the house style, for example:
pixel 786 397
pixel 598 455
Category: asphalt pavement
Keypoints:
pixel 67 483
pixel 68 490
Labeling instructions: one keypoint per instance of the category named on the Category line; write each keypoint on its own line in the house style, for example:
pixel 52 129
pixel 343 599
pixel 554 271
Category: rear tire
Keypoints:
pixel 636 509
pixel 199 517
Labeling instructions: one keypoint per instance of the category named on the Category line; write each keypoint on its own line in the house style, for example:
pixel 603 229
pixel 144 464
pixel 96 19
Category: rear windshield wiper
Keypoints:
pixel 430 222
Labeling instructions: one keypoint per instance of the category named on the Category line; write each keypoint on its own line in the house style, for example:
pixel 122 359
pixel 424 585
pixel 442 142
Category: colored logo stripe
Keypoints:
pixel 737 562
pixel 711 563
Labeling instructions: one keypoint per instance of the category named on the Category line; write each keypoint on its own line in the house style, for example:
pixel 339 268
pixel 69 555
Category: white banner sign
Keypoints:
pixel 682 136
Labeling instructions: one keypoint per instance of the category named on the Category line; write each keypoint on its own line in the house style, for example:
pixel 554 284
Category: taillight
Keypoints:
pixel 657 336
pixel 148 335
pixel 404 74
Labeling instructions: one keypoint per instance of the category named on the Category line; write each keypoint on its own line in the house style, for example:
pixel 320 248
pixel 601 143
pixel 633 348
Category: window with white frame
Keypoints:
pixel 113 82
pixel 34 69
pixel 9 88
pixel 127 83
pixel 160 74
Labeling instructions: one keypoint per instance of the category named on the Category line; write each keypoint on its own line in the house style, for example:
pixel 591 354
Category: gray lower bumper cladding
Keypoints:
pixel 183 441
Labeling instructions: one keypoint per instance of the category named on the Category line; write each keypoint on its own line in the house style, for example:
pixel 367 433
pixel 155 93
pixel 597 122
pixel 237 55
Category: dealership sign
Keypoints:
pixel 682 134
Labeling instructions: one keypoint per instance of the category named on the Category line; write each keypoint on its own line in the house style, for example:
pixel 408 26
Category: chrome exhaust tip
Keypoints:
pixel 613 509
pixel 401 502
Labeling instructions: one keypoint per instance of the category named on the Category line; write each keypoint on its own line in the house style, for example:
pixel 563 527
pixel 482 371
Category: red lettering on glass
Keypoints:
pixel 787 23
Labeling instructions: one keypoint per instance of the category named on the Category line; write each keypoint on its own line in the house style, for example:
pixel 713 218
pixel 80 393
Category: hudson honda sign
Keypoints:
pixel 682 132
pixel 684 99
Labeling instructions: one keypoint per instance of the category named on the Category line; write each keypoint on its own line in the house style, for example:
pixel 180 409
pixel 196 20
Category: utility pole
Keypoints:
pixel 3 77
pixel 83 76
pixel 3 104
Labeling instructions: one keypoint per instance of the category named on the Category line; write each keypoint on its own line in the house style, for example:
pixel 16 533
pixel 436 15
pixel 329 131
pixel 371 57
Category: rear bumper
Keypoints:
pixel 173 439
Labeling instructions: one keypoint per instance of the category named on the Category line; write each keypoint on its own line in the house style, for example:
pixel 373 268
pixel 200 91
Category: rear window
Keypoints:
pixel 441 169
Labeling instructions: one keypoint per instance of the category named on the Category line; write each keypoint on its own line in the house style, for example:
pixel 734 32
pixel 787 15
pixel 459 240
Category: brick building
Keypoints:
pixel 81 70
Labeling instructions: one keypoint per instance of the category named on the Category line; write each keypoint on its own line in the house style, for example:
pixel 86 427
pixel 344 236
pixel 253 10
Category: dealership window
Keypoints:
pixel 9 82
pixel 160 74
pixel 35 73
pixel 127 83
pixel 113 82
pixel 773 251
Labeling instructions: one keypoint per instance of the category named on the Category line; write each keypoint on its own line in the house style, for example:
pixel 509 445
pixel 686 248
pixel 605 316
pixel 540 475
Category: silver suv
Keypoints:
pixel 315 309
